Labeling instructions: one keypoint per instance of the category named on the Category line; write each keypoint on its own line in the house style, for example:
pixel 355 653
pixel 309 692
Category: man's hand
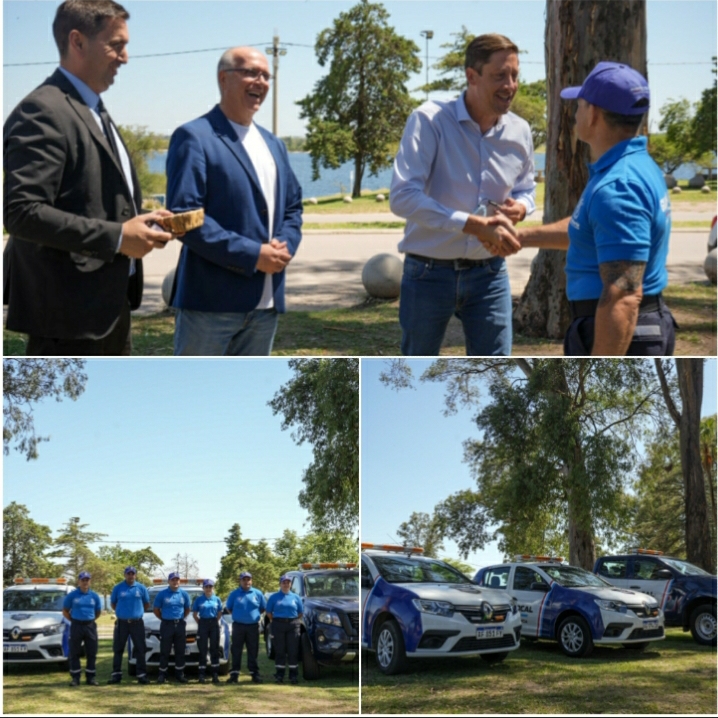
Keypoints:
pixel 496 233
pixel 138 239
pixel 273 257
pixel 515 211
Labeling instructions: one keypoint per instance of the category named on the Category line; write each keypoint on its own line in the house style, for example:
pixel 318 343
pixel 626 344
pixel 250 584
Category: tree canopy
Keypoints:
pixel 424 531
pixel 358 110
pixel 321 404
pixel 72 547
pixel 140 144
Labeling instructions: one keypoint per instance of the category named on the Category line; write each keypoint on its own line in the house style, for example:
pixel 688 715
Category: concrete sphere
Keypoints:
pixel 710 266
pixel 167 286
pixel 676 190
pixel 670 180
pixel 380 198
pixel 348 199
pixel 381 276
pixel 705 189
pixel 697 181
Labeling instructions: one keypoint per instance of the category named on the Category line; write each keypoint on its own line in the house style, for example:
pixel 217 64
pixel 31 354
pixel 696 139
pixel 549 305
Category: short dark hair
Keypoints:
pixel 87 16
pixel 481 48
pixel 625 122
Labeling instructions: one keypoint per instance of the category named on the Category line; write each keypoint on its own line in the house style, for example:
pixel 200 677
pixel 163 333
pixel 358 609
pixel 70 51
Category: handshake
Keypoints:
pixel 498 233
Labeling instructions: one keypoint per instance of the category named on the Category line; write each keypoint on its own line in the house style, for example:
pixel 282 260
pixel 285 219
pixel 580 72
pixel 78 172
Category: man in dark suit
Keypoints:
pixel 230 276
pixel 72 268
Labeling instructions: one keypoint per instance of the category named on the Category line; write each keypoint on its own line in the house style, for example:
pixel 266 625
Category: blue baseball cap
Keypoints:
pixel 131 569
pixel 207 582
pixel 84 574
pixel 245 574
pixel 614 87
pixel 173 575
pixel 284 577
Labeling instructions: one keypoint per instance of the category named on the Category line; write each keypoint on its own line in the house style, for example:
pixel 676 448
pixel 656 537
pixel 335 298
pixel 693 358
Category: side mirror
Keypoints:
pixel 540 586
pixel 662 575
pixel 366 582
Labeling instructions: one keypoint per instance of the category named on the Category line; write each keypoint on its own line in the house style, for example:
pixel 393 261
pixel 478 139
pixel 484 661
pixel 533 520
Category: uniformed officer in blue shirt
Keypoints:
pixel 285 609
pixel 82 607
pixel 246 604
pixel 207 611
pixel 172 606
pixel 617 237
pixel 129 600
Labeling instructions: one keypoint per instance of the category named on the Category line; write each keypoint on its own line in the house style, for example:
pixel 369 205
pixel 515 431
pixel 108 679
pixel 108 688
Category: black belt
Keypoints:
pixel 453 263
pixel 173 620
pixel 587 307
pixel 130 620
pixel 286 620
pixel 77 620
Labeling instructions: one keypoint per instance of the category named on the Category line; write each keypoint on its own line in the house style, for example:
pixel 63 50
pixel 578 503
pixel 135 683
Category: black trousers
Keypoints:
pixel 172 633
pixel 83 632
pixel 286 635
pixel 655 335
pixel 124 629
pixel 208 632
pixel 245 633
pixel 117 343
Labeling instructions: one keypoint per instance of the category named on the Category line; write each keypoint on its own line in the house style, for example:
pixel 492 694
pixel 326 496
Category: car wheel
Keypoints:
pixel 494 657
pixel 132 669
pixel 574 636
pixel 310 667
pixel 268 643
pixel 390 652
pixel 636 646
pixel 703 624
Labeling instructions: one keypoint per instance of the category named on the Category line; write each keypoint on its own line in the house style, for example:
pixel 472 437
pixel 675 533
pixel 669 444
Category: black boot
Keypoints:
pixel 256 678
pixel 233 677
pixel 202 679
pixel 91 680
pixel 294 675
pixel 279 675
pixel 162 678
pixel 115 678
pixel 142 680
pixel 215 677
pixel 179 676
pixel 75 681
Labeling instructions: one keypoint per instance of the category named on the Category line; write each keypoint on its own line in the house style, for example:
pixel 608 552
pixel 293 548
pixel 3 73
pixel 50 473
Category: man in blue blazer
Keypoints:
pixel 229 286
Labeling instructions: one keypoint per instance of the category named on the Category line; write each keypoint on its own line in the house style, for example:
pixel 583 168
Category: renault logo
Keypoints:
pixel 15 633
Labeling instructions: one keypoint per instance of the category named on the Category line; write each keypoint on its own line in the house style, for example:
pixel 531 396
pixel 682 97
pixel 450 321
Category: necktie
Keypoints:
pixel 107 127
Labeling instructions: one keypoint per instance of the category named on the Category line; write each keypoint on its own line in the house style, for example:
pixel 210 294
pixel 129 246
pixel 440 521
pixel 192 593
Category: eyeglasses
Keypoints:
pixel 250 73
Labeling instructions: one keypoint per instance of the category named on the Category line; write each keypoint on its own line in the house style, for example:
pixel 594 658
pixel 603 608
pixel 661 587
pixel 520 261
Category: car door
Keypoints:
pixel 525 589
pixel 650 575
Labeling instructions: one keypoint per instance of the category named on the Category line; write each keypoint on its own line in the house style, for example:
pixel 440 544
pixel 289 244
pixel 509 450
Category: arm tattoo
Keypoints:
pixel 627 276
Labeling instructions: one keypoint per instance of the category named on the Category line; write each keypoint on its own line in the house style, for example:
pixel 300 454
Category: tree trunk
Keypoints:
pixel 579 34
pixel 358 176
pixel 698 542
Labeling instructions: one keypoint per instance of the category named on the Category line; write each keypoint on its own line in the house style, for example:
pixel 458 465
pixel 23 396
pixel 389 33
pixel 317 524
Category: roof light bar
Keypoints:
pixel 539 559
pixel 58 581
pixel 647 551
pixel 333 564
pixel 393 548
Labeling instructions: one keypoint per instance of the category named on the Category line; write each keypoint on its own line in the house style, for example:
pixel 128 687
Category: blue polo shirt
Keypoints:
pixel 129 601
pixel 246 605
pixel 284 605
pixel 82 606
pixel 207 607
pixel 172 603
pixel 624 214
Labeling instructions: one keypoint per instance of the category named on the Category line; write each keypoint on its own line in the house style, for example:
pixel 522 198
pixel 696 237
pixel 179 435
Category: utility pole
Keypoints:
pixel 428 34
pixel 275 51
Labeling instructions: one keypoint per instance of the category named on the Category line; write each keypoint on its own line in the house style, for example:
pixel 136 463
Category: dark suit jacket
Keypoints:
pixel 65 199
pixel 207 166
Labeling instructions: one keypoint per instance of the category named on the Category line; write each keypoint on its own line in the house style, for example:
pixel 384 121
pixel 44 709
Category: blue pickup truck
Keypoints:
pixel 686 593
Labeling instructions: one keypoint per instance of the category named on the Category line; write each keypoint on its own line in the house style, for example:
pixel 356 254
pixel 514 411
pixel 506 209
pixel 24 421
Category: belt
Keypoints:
pixel 173 620
pixel 286 620
pixel 131 620
pixel 77 620
pixel 587 307
pixel 455 264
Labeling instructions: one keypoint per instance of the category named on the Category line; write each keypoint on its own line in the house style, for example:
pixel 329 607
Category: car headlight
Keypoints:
pixel 53 629
pixel 606 605
pixel 514 606
pixel 329 617
pixel 438 608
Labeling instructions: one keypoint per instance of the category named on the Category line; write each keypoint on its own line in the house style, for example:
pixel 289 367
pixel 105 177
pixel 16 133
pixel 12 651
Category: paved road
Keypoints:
pixel 327 269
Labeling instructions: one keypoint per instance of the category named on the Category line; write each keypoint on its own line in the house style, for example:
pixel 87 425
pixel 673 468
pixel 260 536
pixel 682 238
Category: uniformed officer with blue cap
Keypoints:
pixel 172 606
pixel 617 237
pixel 246 604
pixel 82 607
pixel 207 611
pixel 285 611
pixel 129 601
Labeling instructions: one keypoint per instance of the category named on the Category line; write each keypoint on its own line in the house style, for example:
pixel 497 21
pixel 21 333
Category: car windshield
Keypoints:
pixel 687 569
pixel 334 583
pixel 192 591
pixel 33 600
pixel 402 569
pixel 573 576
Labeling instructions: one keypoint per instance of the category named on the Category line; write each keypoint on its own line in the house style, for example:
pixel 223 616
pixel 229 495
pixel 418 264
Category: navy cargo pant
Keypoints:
pixel 172 633
pixel 208 632
pixel 133 628
pixel 245 633
pixel 83 632
pixel 286 633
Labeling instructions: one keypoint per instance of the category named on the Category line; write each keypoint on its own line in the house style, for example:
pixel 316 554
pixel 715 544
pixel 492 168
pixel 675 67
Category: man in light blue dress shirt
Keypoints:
pixel 459 163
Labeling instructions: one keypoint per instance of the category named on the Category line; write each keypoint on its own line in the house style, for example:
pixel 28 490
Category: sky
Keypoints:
pixel 164 92
pixel 412 454
pixel 166 450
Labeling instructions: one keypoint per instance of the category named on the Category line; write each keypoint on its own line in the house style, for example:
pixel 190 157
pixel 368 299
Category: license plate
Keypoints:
pixel 650 623
pixel 489 633
pixel 10 648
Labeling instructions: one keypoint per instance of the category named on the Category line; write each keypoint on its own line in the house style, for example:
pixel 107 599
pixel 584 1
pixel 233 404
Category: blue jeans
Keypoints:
pixel 225 333
pixel 480 297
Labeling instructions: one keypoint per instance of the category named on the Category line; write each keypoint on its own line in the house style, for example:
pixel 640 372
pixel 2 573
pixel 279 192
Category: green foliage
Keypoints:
pixel 704 123
pixel 140 143
pixel 108 566
pixel 321 403
pixel 27 381
pixel 72 546
pixel 465 568
pixel 358 110
pixel 424 531
pixel 295 144
pixel 668 156
pixel 25 543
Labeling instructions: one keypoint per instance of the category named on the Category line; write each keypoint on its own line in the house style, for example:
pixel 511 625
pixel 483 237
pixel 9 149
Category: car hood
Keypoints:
pixel 624 595
pixel 458 594
pixel 30 619
pixel 152 623
pixel 342 603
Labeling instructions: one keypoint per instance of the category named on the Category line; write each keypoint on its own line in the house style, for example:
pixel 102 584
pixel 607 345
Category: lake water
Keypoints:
pixel 338 181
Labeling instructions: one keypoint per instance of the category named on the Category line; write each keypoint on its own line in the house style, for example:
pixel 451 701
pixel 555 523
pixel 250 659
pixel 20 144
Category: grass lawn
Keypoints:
pixel 671 676
pixel 372 329
pixel 40 689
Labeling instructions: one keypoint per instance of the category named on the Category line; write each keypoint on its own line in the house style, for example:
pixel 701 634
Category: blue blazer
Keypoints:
pixel 207 166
